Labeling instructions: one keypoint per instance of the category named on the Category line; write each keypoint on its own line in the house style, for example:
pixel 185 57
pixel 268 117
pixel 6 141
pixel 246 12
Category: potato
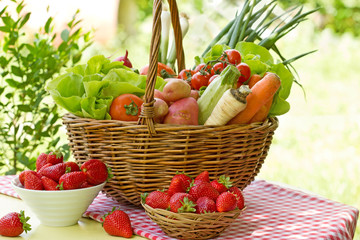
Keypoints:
pixel 195 94
pixel 184 111
pixel 159 94
pixel 176 89
pixel 160 109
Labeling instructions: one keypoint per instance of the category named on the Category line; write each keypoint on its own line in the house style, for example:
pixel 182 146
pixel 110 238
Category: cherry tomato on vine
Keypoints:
pixel 126 107
pixel 186 74
pixel 199 79
pixel 202 66
pixel 212 78
pixel 218 68
pixel 233 56
pixel 245 72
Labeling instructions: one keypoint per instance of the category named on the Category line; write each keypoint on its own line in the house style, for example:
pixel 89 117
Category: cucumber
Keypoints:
pixel 215 90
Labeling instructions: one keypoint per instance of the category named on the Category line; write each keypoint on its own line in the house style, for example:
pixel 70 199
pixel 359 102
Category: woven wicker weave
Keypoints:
pixel 144 156
pixel 192 225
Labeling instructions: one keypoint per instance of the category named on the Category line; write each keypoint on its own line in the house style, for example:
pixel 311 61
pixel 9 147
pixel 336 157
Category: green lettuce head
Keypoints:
pixel 88 90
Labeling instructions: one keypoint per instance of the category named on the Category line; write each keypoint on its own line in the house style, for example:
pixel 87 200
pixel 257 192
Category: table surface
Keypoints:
pixel 85 229
pixel 273 212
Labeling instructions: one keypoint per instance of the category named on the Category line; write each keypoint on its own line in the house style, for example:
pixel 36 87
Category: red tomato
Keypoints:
pixel 186 74
pixel 218 68
pixel 198 80
pixel 245 72
pixel 212 78
pixel 202 66
pixel 126 107
pixel 233 56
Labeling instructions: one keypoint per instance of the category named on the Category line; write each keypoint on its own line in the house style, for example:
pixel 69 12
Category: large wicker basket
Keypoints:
pixel 144 156
pixel 192 225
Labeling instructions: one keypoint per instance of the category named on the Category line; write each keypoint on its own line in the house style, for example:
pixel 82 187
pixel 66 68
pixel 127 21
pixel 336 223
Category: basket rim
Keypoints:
pixel 269 122
pixel 194 215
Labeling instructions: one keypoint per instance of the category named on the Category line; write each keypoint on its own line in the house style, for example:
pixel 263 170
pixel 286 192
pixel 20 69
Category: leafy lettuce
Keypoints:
pixel 260 61
pixel 88 90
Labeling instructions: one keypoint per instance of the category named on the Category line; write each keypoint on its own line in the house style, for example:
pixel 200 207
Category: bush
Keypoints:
pixel 29 120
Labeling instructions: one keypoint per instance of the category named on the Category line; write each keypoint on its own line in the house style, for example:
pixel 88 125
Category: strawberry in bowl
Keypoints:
pixel 59 192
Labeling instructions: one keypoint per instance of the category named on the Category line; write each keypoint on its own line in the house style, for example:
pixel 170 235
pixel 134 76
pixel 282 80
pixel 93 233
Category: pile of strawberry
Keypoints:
pixel 199 195
pixel 52 173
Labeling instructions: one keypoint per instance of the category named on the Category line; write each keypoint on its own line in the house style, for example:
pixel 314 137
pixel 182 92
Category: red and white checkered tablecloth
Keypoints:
pixel 273 212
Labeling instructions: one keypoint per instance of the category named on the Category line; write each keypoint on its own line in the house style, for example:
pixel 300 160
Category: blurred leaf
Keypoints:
pixel 24 108
pixel 5 29
pixel 8 21
pixel 47 25
pixel 12 83
pixel 65 35
pixel 24 20
pixel 11 172
pixel 16 71
pixel 20 7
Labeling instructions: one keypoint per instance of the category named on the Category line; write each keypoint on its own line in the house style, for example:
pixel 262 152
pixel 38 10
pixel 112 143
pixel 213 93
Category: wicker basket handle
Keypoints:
pixel 147 110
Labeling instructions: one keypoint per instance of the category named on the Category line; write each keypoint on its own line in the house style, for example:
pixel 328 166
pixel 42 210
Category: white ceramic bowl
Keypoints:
pixel 57 208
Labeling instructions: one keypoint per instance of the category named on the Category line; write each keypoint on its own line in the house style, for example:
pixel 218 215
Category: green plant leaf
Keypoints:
pixel 8 21
pixel 47 25
pixel 16 71
pixel 65 35
pixel 24 108
pixel 20 7
pixel 12 83
pixel 24 20
pixel 5 29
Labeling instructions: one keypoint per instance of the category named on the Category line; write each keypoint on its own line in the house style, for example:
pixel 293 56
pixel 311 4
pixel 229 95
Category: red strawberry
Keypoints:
pixel 33 181
pixel 55 157
pixel 72 166
pixel 54 172
pixel 41 161
pixel 86 185
pixel 13 224
pixel 239 196
pixel 177 185
pixel 117 223
pixel 222 185
pixel 72 180
pixel 226 202
pixel 42 169
pixel 204 176
pixel 22 176
pixel 203 189
pixel 96 171
pixel 182 202
pixel 185 179
pixel 49 184
pixel 158 199
pixel 205 205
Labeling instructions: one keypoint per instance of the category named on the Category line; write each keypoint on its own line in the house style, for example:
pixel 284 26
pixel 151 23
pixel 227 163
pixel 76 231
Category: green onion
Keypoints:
pixel 165 29
pixel 184 24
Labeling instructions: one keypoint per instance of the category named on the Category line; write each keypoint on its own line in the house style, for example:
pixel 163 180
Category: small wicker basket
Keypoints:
pixel 192 225
pixel 144 156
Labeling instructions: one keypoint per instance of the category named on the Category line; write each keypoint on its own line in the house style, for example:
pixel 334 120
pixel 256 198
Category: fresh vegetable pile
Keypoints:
pixel 53 174
pixel 235 81
pixel 197 195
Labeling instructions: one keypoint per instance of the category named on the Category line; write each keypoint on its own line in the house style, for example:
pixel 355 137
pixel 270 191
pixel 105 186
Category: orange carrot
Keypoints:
pixel 254 79
pixel 261 115
pixel 260 94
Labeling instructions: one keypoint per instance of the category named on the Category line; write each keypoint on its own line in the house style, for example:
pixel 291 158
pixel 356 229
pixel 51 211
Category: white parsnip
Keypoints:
pixel 230 104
